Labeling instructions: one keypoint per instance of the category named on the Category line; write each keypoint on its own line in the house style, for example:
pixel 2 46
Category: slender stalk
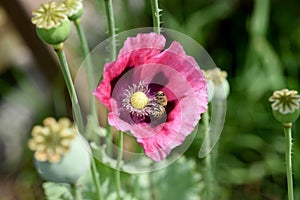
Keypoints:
pixel 91 79
pixel 111 28
pixel 119 161
pixel 113 53
pixel 70 86
pixel 109 137
pixel 208 159
pixel 155 15
pixel 76 192
pixel 89 64
pixel 75 104
pixel 288 158
pixel 260 18
pixel 96 179
pixel 113 49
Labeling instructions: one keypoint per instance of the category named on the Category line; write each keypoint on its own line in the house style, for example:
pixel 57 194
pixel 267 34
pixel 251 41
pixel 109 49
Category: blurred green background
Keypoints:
pixel 256 42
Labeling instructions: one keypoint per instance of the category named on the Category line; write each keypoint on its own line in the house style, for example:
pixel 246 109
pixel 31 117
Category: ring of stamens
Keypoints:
pixel 136 101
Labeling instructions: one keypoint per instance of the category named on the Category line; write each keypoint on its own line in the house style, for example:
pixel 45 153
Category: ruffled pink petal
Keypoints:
pixel 142 47
pixel 187 85
pixel 176 58
pixel 115 120
pixel 159 141
pixel 180 78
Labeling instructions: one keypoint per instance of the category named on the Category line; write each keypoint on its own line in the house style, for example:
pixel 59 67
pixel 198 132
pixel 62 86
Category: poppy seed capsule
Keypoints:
pixel 76 15
pixel 52 23
pixel 75 9
pixel 55 35
pixel 57 147
pixel 65 171
pixel 285 105
pixel 286 118
pixel 218 86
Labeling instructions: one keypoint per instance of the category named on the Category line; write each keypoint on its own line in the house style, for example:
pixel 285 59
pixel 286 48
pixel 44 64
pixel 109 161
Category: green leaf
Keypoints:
pixel 100 152
pixel 56 191
pixel 180 180
pixel 94 130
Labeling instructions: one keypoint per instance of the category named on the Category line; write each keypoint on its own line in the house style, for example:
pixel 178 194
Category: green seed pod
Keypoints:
pixel 55 35
pixel 76 15
pixel 75 9
pixel 286 118
pixel 222 90
pixel 210 89
pixel 52 23
pixel 285 105
pixel 218 86
pixel 72 165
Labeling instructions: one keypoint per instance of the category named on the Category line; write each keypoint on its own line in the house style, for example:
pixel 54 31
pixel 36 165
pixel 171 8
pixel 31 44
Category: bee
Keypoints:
pixel 161 99
pixel 159 103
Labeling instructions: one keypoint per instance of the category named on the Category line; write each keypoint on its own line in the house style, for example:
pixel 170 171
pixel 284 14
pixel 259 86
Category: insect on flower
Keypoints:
pixel 161 98
pixel 160 102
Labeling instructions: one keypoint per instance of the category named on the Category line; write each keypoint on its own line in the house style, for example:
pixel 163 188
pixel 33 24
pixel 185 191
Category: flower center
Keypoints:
pixel 141 104
pixel 139 100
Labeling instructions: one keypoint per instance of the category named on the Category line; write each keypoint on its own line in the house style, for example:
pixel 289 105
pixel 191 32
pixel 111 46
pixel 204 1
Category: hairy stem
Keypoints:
pixel 76 192
pixel 89 64
pixel 96 179
pixel 75 104
pixel 260 18
pixel 113 50
pixel 288 158
pixel 155 15
pixel 208 159
pixel 111 28
pixel 119 161
pixel 70 86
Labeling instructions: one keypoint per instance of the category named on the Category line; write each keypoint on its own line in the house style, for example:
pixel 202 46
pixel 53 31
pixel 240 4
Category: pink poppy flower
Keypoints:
pixel 158 95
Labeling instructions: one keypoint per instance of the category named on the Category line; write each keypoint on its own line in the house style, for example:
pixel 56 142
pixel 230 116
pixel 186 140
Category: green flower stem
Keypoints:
pixel 69 82
pixel 77 112
pixel 119 162
pixel 109 136
pixel 208 159
pixel 96 179
pixel 91 79
pixel 288 158
pixel 113 53
pixel 76 192
pixel 85 50
pixel 260 18
pixel 111 28
pixel 155 15
pixel 113 49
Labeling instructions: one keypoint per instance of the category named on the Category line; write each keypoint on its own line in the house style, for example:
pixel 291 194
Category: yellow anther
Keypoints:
pixel 139 100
